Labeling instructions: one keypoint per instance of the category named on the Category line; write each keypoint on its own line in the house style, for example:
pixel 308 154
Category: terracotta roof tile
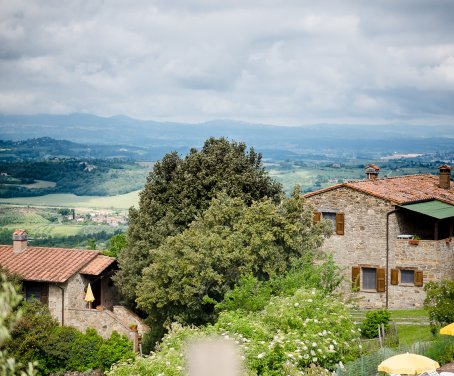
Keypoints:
pixel 97 265
pixel 45 264
pixel 400 189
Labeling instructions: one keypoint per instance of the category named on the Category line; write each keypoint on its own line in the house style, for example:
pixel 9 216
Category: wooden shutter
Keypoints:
pixel 419 278
pixel 45 294
pixel 381 280
pixel 394 276
pixel 316 218
pixel 340 223
pixel 355 277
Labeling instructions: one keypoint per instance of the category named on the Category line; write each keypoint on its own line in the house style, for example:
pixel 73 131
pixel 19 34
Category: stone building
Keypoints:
pixel 58 277
pixel 391 235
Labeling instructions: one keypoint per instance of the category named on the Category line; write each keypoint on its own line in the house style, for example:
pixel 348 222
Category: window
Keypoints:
pixel 38 291
pixel 407 276
pixel 336 218
pixel 369 278
pixel 330 217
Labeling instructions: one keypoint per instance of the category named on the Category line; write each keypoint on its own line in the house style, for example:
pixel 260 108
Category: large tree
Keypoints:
pixel 178 190
pixel 193 270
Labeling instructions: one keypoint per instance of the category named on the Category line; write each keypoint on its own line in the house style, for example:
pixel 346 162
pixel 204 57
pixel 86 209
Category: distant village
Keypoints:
pixel 112 218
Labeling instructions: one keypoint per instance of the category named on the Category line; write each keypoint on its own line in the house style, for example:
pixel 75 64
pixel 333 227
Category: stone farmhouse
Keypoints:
pixel 391 235
pixel 59 277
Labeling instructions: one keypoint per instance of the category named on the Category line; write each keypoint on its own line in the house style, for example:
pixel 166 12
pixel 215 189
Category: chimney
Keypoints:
pixel 20 241
pixel 372 172
pixel 445 176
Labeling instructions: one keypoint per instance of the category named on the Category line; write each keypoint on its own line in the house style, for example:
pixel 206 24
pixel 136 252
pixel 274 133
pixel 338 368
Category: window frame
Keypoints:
pixel 411 281
pixel 363 279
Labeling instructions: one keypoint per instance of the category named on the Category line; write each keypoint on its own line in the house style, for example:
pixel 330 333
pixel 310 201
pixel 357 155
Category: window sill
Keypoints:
pixel 407 284
pixel 369 290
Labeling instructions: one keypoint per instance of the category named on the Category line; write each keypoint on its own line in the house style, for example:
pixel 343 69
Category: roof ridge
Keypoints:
pixel 56 248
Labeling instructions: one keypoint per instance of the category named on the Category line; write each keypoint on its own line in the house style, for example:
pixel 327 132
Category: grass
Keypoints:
pixel 123 201
pixel 409 313
pixel 409 334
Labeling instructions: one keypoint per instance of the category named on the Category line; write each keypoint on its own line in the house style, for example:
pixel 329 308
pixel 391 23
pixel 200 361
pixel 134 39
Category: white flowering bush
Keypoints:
pixel 306 332
pixel 293 333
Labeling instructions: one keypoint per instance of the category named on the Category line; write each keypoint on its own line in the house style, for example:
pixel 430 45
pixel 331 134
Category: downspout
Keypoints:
pixel 387 254
pixel 62 304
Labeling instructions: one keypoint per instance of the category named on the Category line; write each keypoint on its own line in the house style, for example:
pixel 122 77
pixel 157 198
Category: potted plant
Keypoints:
pixel 415 240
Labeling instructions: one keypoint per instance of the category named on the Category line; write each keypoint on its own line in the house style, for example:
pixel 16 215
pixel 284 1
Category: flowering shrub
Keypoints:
pixel 303 332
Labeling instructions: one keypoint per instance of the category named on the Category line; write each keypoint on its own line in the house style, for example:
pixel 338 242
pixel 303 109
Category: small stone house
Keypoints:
pixel 58 277
pixel 391 235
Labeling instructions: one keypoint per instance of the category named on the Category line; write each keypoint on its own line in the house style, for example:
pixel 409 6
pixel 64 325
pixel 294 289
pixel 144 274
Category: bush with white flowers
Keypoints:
pixel 289 336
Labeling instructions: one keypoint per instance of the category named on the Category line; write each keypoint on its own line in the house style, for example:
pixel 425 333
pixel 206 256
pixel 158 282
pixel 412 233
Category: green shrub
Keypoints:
pixel 440 303
pixel 442 349
pixel 369 328
pixel 115 349
pixel 30 335
pixel 251 294
pixel 38 337
pixel 59 348
pixel 85 351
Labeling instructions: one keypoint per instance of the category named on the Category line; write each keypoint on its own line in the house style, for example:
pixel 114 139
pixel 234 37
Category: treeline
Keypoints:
pixel 72 241
pixel 98 177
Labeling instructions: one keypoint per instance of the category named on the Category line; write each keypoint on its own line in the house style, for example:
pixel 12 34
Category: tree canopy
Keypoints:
pixel 193 270
pixel 178 190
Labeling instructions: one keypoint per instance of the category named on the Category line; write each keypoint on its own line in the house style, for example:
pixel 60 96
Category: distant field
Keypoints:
pixel 40 230
pixel 69 200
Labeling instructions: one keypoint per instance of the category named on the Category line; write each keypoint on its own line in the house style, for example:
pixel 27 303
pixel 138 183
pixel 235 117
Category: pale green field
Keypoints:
pixel 69 200
pixel 51 229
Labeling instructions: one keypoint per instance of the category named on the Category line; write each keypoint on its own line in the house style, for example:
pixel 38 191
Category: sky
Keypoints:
pixel 283 62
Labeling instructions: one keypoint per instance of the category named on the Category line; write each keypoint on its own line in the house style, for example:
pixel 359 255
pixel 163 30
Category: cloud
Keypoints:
pixel 287 62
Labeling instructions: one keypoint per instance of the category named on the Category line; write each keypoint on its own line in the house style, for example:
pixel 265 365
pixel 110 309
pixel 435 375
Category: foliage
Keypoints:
pixel 440 303
pixel 29 336
pixel 369 327
pixel 441 349
pixel 290 335
pixel 117 243
pixel 229 240
pixel 251 294
pixel 108 177
pixel 9 315
pixel 38 337
pixel 178 190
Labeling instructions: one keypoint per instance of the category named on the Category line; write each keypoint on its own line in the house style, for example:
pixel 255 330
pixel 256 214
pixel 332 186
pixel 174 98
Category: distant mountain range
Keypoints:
pixel 162 137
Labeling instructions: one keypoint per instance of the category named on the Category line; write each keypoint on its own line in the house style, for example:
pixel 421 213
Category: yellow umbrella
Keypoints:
pixel 448 330
pixel 410 364
pixel 89 297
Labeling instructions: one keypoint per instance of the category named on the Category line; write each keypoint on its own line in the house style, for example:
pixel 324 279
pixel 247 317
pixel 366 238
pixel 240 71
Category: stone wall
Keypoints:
pixel 105 321
pixel 435 258
pixel 364 245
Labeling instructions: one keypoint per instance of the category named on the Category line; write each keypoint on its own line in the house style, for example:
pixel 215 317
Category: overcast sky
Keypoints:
pixel 283 62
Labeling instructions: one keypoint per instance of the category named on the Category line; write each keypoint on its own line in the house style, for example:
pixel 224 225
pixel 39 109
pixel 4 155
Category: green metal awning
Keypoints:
pixel 435 209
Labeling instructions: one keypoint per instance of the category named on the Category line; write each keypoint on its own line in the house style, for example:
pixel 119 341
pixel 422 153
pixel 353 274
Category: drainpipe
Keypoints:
pixel 62 304
pixel 387 254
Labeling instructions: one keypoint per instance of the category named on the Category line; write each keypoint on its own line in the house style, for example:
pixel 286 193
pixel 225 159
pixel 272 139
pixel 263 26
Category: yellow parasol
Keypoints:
pixel 410 364
pixel 448 330
pixel 89 297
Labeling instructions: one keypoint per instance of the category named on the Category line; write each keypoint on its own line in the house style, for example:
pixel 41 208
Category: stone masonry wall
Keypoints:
pixel 364 241
pixel 103 321
pixel 434 258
